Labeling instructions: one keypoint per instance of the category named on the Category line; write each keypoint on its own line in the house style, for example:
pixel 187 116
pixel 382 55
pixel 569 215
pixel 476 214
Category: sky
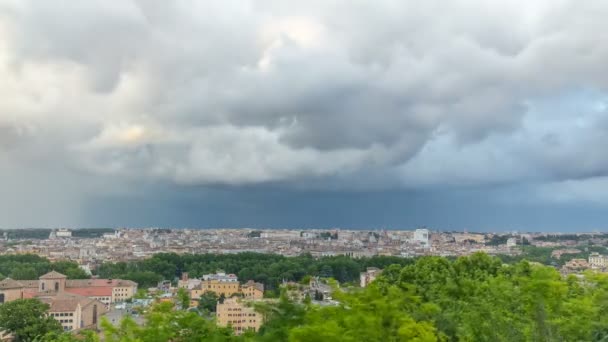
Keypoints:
pixel 476 115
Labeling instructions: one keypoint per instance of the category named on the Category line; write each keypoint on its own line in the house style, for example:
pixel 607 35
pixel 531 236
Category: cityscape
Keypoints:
pixel 81 304
pixel 303 171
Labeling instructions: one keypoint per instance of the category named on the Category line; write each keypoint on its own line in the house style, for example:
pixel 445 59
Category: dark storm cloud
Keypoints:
pixel 348 95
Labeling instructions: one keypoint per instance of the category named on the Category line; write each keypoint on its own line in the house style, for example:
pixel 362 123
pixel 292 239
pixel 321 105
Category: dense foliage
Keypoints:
pixel 26 320
pixel 269 269
pixel 29 266
pixel 474 298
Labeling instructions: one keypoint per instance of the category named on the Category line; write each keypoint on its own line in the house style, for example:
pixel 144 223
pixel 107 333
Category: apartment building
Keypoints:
pixel 252 290
pixel 598 261
pixel 225 284
pixel 235 313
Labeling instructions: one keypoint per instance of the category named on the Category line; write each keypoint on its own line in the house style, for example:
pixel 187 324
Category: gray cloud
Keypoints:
pixel 354 93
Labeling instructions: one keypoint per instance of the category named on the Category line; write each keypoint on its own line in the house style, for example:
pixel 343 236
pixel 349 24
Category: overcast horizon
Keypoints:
pixel 477 115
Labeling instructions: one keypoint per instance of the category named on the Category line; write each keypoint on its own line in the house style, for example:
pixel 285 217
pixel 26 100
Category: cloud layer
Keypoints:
pixel 341 94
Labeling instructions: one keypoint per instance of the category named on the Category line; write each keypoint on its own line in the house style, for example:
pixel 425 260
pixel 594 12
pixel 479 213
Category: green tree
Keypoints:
pixel 26 319
pixel 165 324
pixel 208 301
pixel 183 298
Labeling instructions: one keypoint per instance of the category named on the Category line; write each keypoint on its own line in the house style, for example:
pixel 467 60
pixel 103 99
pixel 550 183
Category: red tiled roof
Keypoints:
pixel 95 291
pixel 53 275
pixel 98 282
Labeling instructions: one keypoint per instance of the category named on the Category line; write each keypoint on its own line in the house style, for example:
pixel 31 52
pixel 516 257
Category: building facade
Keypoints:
pixel 598 261
pixel 224 284
pixel 73 307
pixel 252 290
pixel 368 276
pixel 235 313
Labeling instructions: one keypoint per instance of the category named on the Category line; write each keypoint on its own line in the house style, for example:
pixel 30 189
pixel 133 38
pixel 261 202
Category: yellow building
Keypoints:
pixel 235 313
pixel 225 284
pixel 252 290
pixel 220 287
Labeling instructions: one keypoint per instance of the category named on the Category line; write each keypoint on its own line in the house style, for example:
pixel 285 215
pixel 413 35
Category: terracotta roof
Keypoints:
pixel 53 275
pixel 30 283
pixel 64 302
pixel 98 282
pixel 9 283
pixel 251 283
pixel 91 291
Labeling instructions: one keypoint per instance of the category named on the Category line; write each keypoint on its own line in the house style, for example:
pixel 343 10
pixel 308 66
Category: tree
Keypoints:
pixel 208 301
pixel 26 319
pixel 165 324
pixel 183 298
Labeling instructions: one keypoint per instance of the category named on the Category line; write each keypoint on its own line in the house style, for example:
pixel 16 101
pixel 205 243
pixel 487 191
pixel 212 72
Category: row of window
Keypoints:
pixel 222 286
pixel 66 321
pixel 62 314
pixel 241 315
pixel 241 321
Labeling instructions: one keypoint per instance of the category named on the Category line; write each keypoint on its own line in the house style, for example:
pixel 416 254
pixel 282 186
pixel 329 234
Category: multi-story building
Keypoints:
pixel 73 310
pixel 220 283
pixel 421 236
pixel 63 233
pixel 369 275
pixel 234 313
pixel 187 283
pixel 252 290
pixel 511 242
pixel 597 260
pixel 223 284
pixel 105 291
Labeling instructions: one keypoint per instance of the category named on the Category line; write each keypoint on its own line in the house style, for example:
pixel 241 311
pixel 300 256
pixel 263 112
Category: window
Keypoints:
pixel 42 286
pixel 56 286
pixel 95 314
pixel 1 298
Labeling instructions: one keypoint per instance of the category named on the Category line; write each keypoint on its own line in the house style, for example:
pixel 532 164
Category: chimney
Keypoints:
pixel 185 276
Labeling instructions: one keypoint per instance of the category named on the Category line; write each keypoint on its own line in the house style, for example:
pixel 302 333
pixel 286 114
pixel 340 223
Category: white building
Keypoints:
pixel 63 233
pixel 597 260
pixel 421 236
pixel 511 242
pixel 112 236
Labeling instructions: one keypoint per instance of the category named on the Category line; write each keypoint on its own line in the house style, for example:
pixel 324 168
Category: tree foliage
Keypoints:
pixel 26 319
pixel 29 267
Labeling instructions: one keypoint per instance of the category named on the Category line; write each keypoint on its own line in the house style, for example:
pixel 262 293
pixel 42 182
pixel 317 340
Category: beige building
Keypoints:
pixel 76 304
pixel 597 260
pixel 73 311
pixel 369 275
pixel 10 290
pixel 236 314
pixel 252 290
pixel 218 286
